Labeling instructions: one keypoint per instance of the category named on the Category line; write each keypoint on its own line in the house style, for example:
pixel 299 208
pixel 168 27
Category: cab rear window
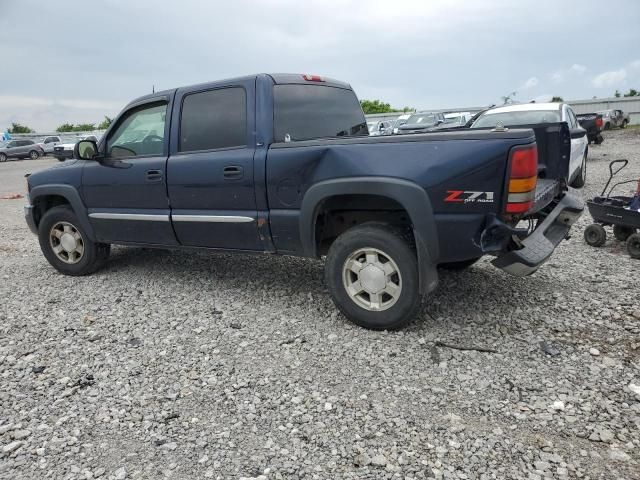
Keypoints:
pixel 306 112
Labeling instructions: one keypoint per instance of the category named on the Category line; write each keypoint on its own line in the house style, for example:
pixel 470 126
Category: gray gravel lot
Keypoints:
pixel 190 365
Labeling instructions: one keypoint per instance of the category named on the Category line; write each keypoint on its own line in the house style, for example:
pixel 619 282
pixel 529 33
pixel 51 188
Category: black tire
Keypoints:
pixel 34 155
pixel 3 157
pixel 623 233
pixel 599 139
pixel 624 124
pixel 94 255
pixel 459 265
pixel 607 126
pixel 393 244
pixel 581 178
pixel 595 235
pixel 60 159
pixel 633 245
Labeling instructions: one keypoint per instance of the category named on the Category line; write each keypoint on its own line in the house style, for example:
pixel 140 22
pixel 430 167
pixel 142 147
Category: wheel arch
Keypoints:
pixel 410 196
pixel 45 197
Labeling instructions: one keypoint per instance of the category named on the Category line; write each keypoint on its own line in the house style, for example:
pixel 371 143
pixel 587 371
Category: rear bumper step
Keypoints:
pixel 539 246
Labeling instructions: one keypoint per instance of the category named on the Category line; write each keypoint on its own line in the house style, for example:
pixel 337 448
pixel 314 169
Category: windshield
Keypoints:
pixel 305 112
pixel 511 119
pixel 425 118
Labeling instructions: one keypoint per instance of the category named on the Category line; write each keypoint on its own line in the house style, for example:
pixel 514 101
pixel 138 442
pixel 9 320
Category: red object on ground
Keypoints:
pixel 11 196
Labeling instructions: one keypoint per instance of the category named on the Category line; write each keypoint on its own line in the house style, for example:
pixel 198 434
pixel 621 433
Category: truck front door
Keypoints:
pixel 126 193
pixel 210 168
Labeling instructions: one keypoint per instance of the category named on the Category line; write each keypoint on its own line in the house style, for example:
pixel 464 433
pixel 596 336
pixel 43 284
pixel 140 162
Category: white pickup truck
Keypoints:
pixel 64 151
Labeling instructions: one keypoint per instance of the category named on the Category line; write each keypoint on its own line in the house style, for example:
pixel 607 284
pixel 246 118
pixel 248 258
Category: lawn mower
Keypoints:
pixel 622 212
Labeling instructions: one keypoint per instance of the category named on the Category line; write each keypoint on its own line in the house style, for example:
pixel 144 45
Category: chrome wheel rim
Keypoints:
pixel 66 242
pixel 584 169
pixel 3 157
pixel 33 155
pixel 372 279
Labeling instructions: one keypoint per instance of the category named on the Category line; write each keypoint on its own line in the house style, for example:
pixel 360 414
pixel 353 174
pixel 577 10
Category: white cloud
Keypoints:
pixel 577 68
pixel 561 75
pixel 530 83
pixel 610 79
pixel 635 64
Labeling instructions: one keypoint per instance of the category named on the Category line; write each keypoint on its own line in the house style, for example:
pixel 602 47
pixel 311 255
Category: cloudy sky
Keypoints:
pixel 78 60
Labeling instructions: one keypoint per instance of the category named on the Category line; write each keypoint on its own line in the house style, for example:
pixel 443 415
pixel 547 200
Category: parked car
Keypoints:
pixel 64 151
pixel 593 124
pixel 534 114
pixel 455 120
pixel 48 143
pixel 283 164
pixel 380 128
pixel 614 118
pixel 421 122
pixel 20 149
pixel 401 120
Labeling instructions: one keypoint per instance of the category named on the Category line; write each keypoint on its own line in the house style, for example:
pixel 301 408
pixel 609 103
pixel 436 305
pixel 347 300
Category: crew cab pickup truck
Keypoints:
pixel 283 164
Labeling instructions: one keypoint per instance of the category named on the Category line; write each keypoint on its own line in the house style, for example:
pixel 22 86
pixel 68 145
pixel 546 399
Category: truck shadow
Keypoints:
pixel 480 294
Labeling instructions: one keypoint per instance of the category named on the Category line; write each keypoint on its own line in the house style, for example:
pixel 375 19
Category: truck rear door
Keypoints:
pixel 210 167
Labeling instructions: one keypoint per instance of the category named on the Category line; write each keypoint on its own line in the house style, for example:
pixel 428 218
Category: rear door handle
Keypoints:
pixel 154 176
pixel 233 172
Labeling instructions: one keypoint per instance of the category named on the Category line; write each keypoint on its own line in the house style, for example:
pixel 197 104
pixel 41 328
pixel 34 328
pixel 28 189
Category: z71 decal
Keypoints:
pixel 465 196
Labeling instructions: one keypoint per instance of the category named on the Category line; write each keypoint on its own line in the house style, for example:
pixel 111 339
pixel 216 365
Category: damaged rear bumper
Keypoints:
pixel 534 250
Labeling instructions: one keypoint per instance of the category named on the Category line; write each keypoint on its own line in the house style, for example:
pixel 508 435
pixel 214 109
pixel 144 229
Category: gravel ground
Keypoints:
pixel 182 365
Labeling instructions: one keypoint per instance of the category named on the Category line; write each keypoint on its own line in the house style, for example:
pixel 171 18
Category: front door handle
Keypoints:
pixel 154 176
pixel 233 172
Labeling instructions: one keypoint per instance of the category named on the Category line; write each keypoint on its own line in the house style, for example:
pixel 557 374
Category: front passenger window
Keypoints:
pixel 140 133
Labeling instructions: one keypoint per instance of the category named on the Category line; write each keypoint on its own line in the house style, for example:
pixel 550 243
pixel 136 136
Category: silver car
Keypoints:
pixel 20 149
pixel 614 118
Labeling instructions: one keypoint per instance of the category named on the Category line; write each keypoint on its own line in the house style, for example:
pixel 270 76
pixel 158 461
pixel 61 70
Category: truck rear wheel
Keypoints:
pixel 372 276
pixel 633 245
pixel 595 235
pixel 66 245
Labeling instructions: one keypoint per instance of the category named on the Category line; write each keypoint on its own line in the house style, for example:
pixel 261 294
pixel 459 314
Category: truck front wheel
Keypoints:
pixel 66 245
pixel 372 275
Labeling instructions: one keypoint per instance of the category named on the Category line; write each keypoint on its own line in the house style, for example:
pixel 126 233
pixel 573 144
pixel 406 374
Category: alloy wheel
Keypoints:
pixel 66 242
pixel 372 279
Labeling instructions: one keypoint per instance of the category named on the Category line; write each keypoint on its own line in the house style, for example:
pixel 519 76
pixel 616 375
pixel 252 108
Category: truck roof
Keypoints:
pixel 277 78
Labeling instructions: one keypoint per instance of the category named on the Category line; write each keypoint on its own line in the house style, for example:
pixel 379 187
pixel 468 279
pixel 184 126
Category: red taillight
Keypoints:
pixel 313 78
pixel 598 122
pixel 523 178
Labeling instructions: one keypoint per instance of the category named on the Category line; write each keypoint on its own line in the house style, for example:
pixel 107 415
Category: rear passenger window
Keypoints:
pixel 213 119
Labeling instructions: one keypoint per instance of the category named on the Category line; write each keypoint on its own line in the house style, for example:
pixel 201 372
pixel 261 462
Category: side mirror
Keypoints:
pixel 578 132
pixel 85 150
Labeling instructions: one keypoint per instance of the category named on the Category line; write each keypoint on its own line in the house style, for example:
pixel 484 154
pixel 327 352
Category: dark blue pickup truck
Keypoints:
pixel 283 164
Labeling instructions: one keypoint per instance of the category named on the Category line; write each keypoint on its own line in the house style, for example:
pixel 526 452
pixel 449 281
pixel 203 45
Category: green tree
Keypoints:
pixel 377 106
pixel 65 127
pixel 557 99
pixel 17 128
pixel 84 127
pixel 617 94
pixel 632 93
pixel 105 123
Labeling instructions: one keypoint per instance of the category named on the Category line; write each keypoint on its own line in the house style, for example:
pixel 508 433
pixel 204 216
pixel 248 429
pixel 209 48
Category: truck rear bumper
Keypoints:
pixel 537 248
